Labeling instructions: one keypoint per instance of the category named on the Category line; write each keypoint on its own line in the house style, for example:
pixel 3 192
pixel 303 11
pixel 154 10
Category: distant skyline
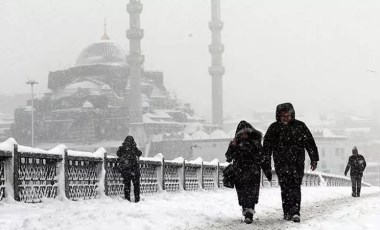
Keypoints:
pixel 322 56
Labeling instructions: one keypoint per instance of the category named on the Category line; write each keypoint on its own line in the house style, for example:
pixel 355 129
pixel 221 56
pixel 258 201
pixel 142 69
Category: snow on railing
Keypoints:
pixel 31 175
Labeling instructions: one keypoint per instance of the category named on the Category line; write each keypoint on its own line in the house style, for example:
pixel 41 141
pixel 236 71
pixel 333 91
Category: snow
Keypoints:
pixel 197 161
pixel 157 158
pixel 56 151
pixel 192 127
pixel 145 104
pixel 59 149
pixel 186 136
pixel 177 160
pixel 322 208
pixel 97 154
pixel 87 104
pixel 83 85
pixel 212 163
pixel 218 134
pixel 200 135
pixel 27 149
pixel 8 145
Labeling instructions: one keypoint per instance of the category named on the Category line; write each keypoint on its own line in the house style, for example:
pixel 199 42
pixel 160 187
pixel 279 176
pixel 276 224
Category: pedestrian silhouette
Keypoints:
pixel 287 139
pixel 129 167
pixel 356 164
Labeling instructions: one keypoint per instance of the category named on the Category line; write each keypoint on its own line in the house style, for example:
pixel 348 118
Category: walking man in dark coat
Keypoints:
pixel 357 164
pixel 287 139
pixel 129 167
pixel 246 152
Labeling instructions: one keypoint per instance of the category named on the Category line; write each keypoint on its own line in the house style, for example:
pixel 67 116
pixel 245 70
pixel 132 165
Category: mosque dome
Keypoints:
pixel 104 52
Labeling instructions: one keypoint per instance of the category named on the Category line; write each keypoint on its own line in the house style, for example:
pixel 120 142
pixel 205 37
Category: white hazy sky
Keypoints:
pixel 320 55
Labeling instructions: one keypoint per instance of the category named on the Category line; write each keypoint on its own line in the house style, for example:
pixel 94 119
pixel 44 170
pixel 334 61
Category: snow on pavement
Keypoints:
pixel 322 208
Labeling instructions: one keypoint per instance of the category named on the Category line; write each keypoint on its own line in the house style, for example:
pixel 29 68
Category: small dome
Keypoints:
pixel 106 87
pixel 145 104
pixel 218 134
pixel 87 104
pixel 200 135
pixel 104 52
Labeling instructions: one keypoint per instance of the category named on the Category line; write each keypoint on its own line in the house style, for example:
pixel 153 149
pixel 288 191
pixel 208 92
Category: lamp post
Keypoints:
pixel 32 83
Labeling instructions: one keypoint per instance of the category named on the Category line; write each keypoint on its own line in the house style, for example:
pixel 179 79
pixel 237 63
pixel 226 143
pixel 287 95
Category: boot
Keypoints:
pixel 296 218
pixel 287 217
pixel 248 214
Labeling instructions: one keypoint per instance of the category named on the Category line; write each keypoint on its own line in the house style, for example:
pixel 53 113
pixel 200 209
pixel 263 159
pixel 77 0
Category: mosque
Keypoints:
pixel 108 94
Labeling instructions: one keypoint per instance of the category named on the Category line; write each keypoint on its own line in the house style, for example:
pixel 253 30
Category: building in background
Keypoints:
pixel 372 173
pixel 89 102
pixel 332 149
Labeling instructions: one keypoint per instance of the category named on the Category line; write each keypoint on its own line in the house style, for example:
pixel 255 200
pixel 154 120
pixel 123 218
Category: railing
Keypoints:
pixel 31 175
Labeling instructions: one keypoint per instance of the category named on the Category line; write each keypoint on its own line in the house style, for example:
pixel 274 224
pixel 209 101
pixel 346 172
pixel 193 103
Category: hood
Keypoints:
pixel 129 141
pixel 355 150
pixel 244 126
pixel 285 107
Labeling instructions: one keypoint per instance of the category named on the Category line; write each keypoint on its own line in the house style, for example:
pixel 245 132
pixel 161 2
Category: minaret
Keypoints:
pixel 135 60
pixel 217 69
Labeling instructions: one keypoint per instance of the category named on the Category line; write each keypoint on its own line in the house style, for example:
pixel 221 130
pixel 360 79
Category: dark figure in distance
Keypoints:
pixel 129 167
pixel 357 164
pixel 245 150
pixel 287 139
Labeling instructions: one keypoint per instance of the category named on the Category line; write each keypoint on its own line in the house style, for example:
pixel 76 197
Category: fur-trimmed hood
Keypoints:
pixel 285 107
pixel 246 127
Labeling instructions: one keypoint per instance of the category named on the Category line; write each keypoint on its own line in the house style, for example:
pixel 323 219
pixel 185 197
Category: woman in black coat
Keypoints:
pixel 129 167
pixel 246 153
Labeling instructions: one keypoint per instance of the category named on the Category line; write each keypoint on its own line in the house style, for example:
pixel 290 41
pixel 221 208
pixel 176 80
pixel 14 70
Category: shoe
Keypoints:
pixel 296 218
pixel 248 220
pixel 248 214
pixel 287 217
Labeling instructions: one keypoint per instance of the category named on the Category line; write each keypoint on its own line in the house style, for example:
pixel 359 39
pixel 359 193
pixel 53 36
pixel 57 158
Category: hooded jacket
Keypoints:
pixel 288 142
pixel 247 155
pixel 356 164
pixel 128 155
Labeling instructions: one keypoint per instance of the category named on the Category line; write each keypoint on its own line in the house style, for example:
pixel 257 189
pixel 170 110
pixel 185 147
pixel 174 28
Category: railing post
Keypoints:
pixel 105 163
pixel 182 176
pixel 16 168
pixel 201 175
pixel 216 178
pixel 161 174
pixel 66 173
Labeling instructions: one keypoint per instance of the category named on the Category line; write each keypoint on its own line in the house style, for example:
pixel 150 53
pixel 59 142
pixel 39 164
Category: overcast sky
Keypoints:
pixel 320 55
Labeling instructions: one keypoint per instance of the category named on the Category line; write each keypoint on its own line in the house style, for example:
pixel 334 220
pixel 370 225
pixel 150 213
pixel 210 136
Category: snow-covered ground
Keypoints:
pixel 322 208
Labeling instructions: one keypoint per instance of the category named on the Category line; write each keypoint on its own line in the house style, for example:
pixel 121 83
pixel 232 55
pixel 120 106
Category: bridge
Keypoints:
pixel 176 194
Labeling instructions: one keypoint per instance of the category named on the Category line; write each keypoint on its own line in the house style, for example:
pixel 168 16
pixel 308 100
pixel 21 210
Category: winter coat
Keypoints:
pixel 287 142
pixel 247 156
pixel 357 164
pixel 128 155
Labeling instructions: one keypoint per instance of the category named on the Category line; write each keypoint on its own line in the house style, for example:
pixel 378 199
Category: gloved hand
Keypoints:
pixel 313 165
pixel 345 174
pixel 233 142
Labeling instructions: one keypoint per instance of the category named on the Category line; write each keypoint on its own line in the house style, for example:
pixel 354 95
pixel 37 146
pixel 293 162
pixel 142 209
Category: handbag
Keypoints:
pixel 229 176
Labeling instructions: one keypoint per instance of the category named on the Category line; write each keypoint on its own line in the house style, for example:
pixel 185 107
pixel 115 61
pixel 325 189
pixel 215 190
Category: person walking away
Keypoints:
pixel 245 151
pixel 287 138
pixel 356 163
pixel 129 167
